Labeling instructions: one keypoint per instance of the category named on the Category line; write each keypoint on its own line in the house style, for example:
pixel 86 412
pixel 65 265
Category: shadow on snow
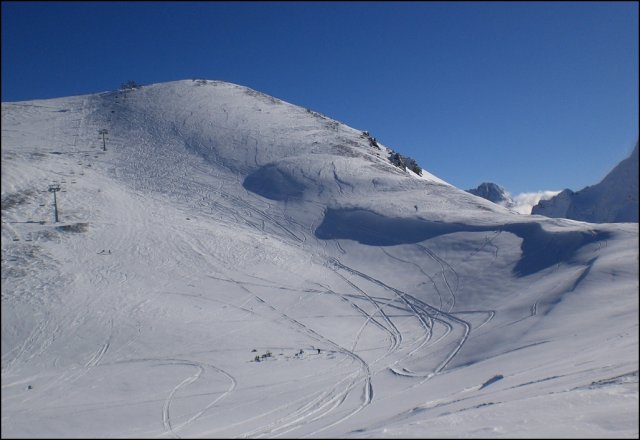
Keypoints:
pixel 273 183
pixel 540 248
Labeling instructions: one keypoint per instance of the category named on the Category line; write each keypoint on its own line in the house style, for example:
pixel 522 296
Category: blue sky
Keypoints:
pixel 530 95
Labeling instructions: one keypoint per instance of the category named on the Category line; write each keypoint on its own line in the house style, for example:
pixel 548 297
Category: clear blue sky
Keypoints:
pixel 532 96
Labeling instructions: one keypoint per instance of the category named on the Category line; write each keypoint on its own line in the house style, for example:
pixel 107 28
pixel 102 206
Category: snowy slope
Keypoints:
pixel 614 199
pixel 378 303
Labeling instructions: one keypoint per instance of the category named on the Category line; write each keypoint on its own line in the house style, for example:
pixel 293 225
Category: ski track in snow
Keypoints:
pixel 335 398
pixel 442 264
pixel 325 403
pixel 166 416
pixel 421 311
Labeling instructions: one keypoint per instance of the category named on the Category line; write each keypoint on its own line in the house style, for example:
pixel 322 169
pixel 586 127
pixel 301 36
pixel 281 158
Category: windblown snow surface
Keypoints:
pixel 221 225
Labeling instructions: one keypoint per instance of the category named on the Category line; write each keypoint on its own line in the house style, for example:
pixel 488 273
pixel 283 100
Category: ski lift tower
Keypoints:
pixel 54 189
pixel 104 144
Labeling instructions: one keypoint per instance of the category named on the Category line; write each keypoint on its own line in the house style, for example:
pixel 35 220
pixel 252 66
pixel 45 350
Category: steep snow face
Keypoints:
pixel 228 264
pixel 614 199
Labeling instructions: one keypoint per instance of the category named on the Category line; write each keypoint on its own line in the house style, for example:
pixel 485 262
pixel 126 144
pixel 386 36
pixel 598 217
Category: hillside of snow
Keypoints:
pixel 232 265
pixel 614 199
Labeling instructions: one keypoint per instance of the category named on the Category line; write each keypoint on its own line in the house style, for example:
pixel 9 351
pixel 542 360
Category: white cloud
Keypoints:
pixel 524 202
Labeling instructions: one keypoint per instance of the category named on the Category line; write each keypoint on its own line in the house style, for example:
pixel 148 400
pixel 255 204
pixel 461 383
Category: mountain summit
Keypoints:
pixel 494 193
pixel 227 264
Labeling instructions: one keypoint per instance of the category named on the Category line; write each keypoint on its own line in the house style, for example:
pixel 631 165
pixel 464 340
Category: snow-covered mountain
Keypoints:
pixel 494 193
pixel 521 203
pixel 614 199
pixel 230 265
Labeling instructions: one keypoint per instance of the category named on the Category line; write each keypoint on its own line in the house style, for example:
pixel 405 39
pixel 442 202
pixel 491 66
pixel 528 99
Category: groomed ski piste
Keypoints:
pixel 230 265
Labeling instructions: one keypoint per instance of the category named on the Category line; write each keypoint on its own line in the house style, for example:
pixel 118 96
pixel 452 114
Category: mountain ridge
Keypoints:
pixel 613 200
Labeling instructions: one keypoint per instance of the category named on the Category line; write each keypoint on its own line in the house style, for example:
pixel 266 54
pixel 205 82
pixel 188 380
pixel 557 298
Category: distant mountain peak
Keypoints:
pixel 492 192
